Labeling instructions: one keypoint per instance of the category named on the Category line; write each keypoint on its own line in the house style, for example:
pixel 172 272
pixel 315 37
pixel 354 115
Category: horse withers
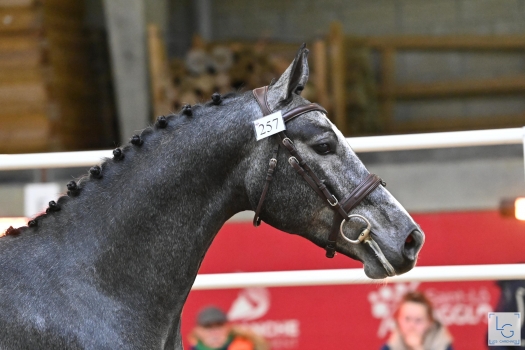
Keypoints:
pixel 110 264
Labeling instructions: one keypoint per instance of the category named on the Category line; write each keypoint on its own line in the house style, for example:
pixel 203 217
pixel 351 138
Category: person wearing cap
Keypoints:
pixel 214 332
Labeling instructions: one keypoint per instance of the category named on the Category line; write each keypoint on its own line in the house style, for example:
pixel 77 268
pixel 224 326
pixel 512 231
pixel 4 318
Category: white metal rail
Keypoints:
pixel 438 140
pixel 357 276
pixel 359 144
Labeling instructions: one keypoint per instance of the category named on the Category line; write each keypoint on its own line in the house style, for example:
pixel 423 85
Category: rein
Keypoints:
pixel 341 208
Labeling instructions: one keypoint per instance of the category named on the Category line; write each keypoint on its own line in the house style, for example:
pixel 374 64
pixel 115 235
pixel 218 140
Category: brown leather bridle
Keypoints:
pixel 341 208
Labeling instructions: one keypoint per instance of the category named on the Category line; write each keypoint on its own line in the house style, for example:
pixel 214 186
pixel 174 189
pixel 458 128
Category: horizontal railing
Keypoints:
pixel 357 276
pixel 359 144
pixel 491 137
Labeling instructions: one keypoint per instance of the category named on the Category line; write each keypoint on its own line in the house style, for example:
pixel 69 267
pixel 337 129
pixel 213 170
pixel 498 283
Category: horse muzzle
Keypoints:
pixel 411 247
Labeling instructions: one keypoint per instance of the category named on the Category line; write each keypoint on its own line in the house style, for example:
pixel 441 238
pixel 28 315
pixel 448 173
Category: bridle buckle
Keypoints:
pixel 287 140
pixel 293 159
pixel 333 204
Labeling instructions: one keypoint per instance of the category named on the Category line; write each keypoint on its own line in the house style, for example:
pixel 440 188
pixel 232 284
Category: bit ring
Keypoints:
pixel 363 236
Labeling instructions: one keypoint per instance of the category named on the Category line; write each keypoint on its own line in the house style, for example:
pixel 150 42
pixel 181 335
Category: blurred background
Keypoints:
pixel 81 74
pixel 87 74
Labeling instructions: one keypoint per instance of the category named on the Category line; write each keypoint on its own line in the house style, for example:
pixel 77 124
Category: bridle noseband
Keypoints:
pixel 340 207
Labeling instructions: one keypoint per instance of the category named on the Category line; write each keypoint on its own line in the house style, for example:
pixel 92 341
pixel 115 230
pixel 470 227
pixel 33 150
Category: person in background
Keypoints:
pixel 214 332
pixel 416 328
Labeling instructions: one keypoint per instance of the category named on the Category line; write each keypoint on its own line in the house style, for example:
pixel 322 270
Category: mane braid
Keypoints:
pixel 95 173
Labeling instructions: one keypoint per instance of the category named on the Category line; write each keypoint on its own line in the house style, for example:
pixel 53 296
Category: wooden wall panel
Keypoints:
pixel 16 19
pixel 24 133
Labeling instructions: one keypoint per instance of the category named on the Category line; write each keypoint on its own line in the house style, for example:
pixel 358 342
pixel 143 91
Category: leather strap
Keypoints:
pixel 300 170
pixel 260 96
pixel 269 177
pixel 359 193
pixel 300 165
pixel 371 182
pixel 298 111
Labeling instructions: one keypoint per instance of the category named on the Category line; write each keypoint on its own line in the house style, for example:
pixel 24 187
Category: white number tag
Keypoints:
pixel 269 125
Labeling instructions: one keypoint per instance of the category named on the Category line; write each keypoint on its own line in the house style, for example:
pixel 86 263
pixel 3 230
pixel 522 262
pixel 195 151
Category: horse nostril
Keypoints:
pixel 413 244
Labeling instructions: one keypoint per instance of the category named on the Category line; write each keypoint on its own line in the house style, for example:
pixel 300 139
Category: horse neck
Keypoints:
pixel 146 225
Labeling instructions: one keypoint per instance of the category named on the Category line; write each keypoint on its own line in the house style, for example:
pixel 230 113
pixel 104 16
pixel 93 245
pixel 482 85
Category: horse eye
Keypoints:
pixel 323 148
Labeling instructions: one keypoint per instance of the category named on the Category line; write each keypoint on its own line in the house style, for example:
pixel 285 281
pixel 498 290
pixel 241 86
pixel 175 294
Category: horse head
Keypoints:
pixel 306 198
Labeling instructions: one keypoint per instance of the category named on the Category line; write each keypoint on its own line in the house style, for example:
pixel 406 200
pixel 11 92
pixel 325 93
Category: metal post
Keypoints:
pixel 523 143
pixel 125 21
pixel 204 19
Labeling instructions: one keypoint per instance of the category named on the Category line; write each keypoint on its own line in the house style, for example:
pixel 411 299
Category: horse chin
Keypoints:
pixel 372 265
pixel 374 270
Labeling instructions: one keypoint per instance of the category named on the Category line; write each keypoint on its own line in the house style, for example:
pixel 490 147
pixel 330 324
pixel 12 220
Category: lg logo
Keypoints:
pixel 504 328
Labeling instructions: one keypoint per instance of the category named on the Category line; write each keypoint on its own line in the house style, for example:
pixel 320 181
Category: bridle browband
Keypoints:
pixel 341 208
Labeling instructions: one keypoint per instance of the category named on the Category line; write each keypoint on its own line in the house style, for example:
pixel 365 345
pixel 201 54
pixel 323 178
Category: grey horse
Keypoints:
pixel 110 265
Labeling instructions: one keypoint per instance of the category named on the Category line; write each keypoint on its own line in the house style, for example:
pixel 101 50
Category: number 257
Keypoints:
pixel 268 127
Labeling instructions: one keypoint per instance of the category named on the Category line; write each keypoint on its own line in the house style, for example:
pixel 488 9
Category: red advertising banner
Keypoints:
pixel 357 316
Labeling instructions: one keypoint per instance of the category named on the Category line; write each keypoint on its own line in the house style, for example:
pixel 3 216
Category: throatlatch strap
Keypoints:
pixel 260 97
pixel 269 177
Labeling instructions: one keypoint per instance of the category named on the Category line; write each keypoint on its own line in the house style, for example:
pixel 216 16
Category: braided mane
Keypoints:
pixel 74 187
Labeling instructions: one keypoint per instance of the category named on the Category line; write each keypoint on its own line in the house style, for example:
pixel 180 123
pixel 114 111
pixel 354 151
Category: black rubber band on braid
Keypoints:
pixel 72 188
pixel 162 122
pixel 53 207
pixel 96 172
pixel 216 99
pixel 118 154
pixel 136 140
pixel 186 110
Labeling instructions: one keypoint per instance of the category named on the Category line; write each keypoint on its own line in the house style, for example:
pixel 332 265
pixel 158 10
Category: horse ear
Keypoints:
pixel 291 81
